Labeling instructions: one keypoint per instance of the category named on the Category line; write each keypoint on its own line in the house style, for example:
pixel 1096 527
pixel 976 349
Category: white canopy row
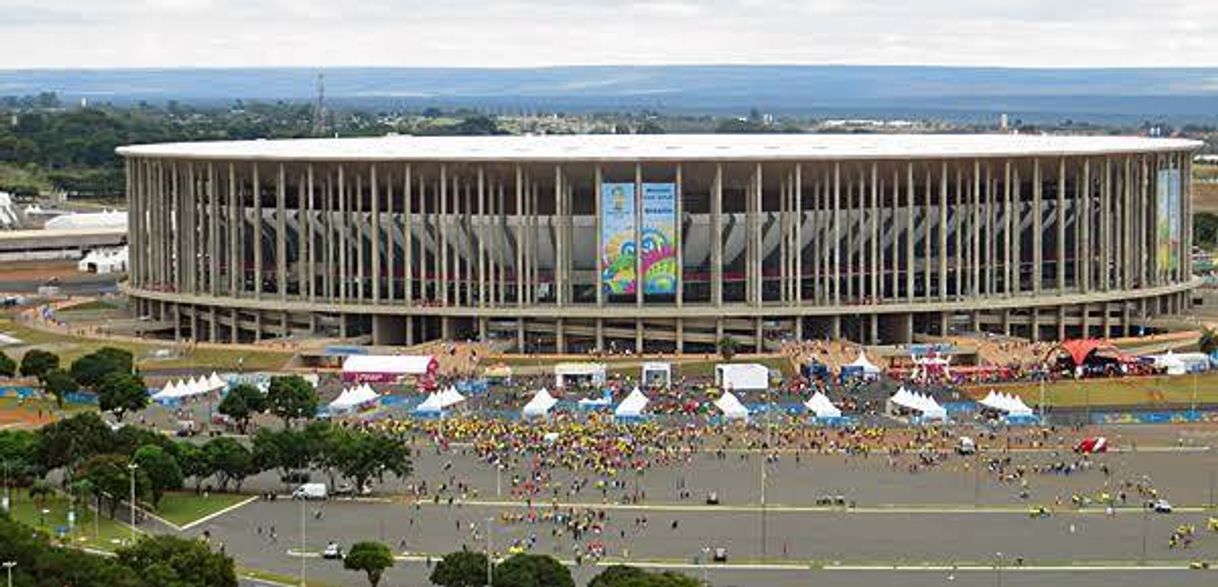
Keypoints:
pixel 437 402
pixel 820 405
pixel 632 406
pixel 1006 403
pixel 919 402
pixel 190 387
pixel 353 397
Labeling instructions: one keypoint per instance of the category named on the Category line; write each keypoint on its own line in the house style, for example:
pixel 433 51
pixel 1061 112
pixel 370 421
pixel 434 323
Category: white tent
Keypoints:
pixel 450 397
pixel 1171 363
pixel 352 398
pixel 566 374
pixel 540 404
pixel 743 376
pixel 431 405
pixel 657 374
pixel 924 404
pixel 867 366
pixel 731 407
pixel 215 382
pixel 820 405
pixel 632 406
pixel 1008 404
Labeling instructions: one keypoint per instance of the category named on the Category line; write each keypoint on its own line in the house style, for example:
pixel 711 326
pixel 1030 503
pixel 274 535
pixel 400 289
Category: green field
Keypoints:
pixel 70 348
pixel 1140 391
pixel 90 530
pixel 182 508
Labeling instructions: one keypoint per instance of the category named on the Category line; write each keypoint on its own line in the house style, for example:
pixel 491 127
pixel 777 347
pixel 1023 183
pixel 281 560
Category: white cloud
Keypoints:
pixel 501 33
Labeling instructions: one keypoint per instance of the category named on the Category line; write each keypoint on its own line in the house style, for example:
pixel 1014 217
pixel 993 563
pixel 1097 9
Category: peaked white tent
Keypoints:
pixel 352 398
pixel 214 381
pixel 632 406
pixel 731 407
pixel 450 397
pixel 864 364
pixel 1008 404
pixel 540 404
pixel 820 405
pixel 923 404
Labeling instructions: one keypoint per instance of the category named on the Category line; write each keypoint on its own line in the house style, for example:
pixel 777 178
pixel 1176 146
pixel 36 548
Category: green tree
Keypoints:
pixel 59 383
pixel 242 402
pixel 193 461
pixel 122 392
pixel 231 461
pixel 36 363
pixel 532 570
pixel 626 576
pixel 163 471
pixel 367 454
pixel 462 568
pixel 1208 341
pixel 370 557
pixel 18 451
pixel 129 439
pixel 111 478
pixel 291 397
pixel 40 564
pixel 727 347
pixel 286 450
pixel 72 440
pixel 92 369
pixel 8 367
pixel 180 562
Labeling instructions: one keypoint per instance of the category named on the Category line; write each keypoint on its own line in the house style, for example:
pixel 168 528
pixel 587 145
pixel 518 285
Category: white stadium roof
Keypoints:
pixel 659 147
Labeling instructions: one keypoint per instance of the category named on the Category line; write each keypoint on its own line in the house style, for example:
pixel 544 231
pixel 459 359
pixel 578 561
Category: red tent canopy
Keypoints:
pixel 1080 349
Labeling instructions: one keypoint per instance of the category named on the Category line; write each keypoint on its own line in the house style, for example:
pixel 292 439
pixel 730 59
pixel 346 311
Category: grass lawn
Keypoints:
pixel 277 577
pixel 182 508
pixel 105 534
pixel 1143 391
pixel 70 348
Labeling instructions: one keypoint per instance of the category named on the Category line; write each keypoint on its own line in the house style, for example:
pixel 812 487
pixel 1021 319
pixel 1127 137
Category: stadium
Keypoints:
pixel 659 243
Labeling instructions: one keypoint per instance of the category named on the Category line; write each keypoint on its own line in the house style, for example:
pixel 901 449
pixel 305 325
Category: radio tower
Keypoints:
pixel 319 108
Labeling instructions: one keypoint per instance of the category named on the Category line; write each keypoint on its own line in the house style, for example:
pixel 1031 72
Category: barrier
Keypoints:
pixel 1158 417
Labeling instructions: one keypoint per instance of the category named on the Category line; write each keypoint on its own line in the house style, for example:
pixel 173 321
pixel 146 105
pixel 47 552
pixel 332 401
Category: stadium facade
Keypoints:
pixel 659 242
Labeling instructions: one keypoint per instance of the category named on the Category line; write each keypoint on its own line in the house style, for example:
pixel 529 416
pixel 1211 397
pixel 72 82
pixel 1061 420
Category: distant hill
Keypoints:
pixel 950 93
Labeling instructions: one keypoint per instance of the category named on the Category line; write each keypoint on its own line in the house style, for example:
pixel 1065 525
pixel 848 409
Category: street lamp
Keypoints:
pixel 490 552
pixel 6 497
pixel 8 567
pixel 303 555
pixel 132 467
pixel 998 569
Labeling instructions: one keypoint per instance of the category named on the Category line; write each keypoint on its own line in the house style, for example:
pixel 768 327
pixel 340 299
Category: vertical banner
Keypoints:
pixel 617 247
pixel 1168 219
pixel 659 261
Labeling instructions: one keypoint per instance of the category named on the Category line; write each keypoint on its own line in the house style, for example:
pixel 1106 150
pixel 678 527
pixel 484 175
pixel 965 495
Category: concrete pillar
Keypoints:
pixel 560 238
pixel 600 326
pixel 799 242
pixel 408 261
pixel 375 244
pixel 680 335
pixel 281 229
pixel 1037 228
pixel 638 336
pixel 910 205
pixel 234 331
pixel 1034 323
pixel 258 326
pixel 1006 322
pixel 638 240
pixel 1060 264
pixel 520 339
pixel 519 233
pixel 873 321
pixel 560 336
pixel 758 335
pixel 837 242
pixel 717 240
pixel 212 326
pixel 445 275
pixel 835 327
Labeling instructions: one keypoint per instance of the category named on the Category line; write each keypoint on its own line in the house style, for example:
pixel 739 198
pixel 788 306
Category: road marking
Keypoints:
pixel 219 513
pixel 813 566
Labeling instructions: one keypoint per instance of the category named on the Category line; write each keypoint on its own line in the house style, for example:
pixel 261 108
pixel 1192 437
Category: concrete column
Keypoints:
pixel 597 212
pixel 927 255
pixel 258 326
pixel 975 229
pixel 1086 322
pixel 835 327
pixel 234 332
pixel 758 338
pixel 1008 228
pixel 520 341
pixel 257 193
pixel 1061 323
pixel 638 241
pixel 837 241
pixel 1086 262
pixel 483 278
pixel 799 243
pixel 910 261
pixel 374 239
pixel 873 321
pixel 680 331
pixel 1061 225
pixel 875 260
pixel 1006 322
pixel 443 242
pixel 213 232
pixel 519 230
pixel 501 251
pixel 281 229
pixel 717 239
pixel 1105 222
pixel 560 336
pixel 942 232
pixel 1034 321
pixel 467 258
pixel 311 239
pixel 600 332
pixel 391 238
pixel 1038 256
pixel 784 220
pixel 357 206
pixel 638 336
pixel 757 242
pixel 212 326
pixel 560 244
pixel 344 240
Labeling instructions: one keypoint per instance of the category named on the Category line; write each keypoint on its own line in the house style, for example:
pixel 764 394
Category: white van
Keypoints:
pixel 310 491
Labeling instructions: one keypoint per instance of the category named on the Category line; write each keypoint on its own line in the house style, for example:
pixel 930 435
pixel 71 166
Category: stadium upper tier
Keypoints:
pixel 660 242
pixel 709 147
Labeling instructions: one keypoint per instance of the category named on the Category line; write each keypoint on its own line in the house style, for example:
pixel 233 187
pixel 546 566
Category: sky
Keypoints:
pixel 529 33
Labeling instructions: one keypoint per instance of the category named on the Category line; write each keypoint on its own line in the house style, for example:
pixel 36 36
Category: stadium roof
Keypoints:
pixel 631 148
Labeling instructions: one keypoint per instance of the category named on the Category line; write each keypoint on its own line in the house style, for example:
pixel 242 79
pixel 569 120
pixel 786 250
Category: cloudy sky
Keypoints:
pixel 507 33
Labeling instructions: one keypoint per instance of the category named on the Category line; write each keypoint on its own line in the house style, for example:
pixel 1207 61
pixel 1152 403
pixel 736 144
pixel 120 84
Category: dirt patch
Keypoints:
pixel 1205 197
pixel 39 270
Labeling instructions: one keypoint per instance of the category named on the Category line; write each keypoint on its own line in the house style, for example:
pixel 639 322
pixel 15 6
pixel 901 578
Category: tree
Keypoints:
pixel 367 454
pixel 92 369
pixel 1208 341
pixel 122 392
pixel 18 450
pixel 194 463
pixel 242 402
pixel 462 568
pixel 286 450
pixel 163 471
pixel 370 557
pixel 230 460
pixel 72 440
pixel 291 397
pixel 8 367
pixel 110 477
pixel 129 439
pixel 532 570
pixel 37 362
pixel 59 383
pixel 727 348
pixel 626 576
pixel 181 562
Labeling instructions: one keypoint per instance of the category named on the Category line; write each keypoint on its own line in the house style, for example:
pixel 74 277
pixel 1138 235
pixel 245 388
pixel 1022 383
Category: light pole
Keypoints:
pixel 998 568
pixel 303 555
pixel 131 467
pixel 6 496
pixel 1042 401
pixel 490 552
pixel 8 567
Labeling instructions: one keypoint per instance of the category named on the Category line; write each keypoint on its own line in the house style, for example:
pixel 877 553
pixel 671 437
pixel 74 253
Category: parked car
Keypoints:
pixel 1159 506
pixel 310 491
pixel 332 552
pixel 719 555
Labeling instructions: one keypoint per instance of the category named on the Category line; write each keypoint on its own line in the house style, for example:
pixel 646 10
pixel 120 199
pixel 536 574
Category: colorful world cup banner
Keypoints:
pixel 617 248
pixel 658 239
pixel 1168 220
